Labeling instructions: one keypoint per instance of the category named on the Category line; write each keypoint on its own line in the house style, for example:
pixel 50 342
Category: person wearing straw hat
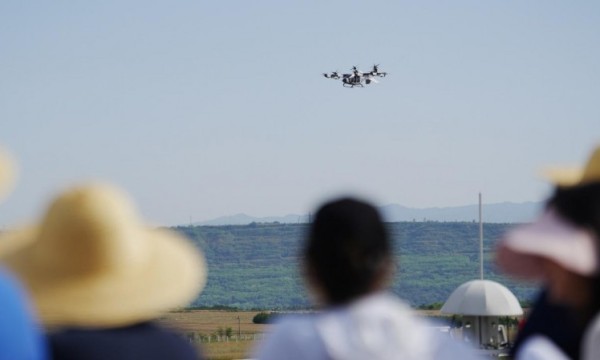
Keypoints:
pixel 348 263
pixel 99 277
pixel 561 250
pixel 20 336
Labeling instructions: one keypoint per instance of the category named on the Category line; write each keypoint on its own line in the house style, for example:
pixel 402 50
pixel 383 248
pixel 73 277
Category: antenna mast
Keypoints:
pixel 480 241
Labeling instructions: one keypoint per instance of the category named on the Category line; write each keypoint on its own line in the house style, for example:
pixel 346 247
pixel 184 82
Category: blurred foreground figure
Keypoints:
pixel 348 263
pixel 20 336
pixel 6 174
pixel 99 277
pixel 561 250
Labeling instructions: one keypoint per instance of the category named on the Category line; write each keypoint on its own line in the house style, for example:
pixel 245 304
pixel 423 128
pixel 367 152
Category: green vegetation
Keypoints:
pixel 263 317
pixel 434 306
pixel 257 266
pixel 225 332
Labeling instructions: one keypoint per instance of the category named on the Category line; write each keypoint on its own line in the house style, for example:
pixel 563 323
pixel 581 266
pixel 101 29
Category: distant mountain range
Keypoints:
pixel 506 212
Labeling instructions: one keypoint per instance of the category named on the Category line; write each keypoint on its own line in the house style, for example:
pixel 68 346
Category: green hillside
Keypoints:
pixel 256 266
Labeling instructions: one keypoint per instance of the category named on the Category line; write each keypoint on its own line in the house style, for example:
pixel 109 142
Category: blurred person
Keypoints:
pixel 561 250
pixel 100 278
pixel 554 321
pixel 7 173
pixel 348 263
pixel 20 335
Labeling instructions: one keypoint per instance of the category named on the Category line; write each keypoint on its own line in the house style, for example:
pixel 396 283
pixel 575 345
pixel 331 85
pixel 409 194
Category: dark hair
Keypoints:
pixel 347 251
pixel 580 205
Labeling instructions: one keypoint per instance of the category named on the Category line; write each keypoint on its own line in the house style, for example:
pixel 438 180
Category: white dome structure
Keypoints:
pixel 482 298
pixel 482 304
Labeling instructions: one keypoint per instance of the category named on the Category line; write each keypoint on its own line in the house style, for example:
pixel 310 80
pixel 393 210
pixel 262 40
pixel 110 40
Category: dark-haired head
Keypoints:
pixel 580 205
pixel 347 253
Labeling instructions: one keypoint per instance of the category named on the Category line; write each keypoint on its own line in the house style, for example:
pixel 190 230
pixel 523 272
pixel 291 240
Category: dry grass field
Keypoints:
pixel 208 322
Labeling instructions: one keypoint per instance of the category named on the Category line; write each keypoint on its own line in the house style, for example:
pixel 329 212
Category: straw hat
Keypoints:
pixel 523 250
pixel 6 173
pixel 92 263
pixel 574 176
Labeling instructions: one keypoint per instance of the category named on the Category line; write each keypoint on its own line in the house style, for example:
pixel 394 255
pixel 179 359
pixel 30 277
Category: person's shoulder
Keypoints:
pixel 539 347
pixel 299 326
pixel 387 328
pixel 291 337
pixel 390 308
pixel 591 340
pixel 10 290
pixel 445 347
pixel 146 340
pixel 20 335
pixel 415 337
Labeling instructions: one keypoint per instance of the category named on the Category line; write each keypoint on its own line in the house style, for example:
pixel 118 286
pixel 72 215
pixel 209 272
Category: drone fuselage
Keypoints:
pixel 352 80
pixel 356 78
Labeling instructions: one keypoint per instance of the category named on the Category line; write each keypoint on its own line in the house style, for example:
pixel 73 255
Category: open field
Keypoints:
pixel 208 323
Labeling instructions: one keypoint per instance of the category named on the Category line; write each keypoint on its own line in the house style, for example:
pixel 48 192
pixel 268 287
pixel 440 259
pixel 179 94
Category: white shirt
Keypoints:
pixel 539 347
pixel 591 341
pixel 377 327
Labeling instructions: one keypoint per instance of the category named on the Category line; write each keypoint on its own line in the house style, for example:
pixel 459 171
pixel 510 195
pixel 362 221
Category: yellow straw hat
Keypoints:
pixel 574 176
pixel 7 173
pixel 92 263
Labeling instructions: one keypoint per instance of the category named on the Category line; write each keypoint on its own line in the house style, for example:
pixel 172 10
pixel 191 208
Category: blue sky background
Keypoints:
pixel 202 109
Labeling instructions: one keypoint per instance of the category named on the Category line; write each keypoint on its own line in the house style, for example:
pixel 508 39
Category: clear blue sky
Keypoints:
pixel 201 109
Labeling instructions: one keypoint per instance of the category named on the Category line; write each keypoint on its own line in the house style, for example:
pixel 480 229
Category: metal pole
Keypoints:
pixel 239 330
pixel 480 241
pixel 480 335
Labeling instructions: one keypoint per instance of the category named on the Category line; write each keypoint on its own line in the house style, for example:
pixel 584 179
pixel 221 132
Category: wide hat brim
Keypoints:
pixel 571 176
pixel 172 275
pixel 7 173
pixel 523 250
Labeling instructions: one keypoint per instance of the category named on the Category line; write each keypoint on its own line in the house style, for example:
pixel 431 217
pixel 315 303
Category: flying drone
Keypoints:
pixel 357 77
